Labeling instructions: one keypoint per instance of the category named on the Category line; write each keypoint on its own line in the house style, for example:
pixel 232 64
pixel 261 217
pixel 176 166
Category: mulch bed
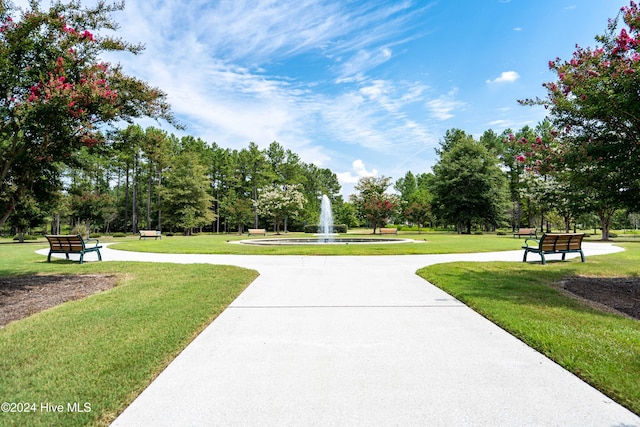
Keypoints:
pixel 22 296
pixel 621 294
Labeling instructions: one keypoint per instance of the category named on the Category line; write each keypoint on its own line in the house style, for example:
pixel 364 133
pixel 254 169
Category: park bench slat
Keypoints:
pixel 559 243
pixel 389 231
pixel 70 244
pixel 530 232
pixel 150 233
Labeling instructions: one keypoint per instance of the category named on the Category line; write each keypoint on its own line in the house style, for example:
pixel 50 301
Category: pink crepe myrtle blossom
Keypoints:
pixel 87 35
pixel 69 30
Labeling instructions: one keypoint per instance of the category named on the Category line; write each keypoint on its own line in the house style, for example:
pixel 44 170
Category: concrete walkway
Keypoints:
pixel 360 341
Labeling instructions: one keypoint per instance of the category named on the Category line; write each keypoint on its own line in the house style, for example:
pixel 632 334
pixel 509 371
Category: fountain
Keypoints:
pixel 325 233
pixel 325 227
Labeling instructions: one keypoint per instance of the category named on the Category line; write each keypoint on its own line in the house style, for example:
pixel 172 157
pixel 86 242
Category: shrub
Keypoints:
pixel 337 228
pixel 26 237
pixel 501 233
pixel 119 235
pixel 95 235
pixel 340 228
pixel 613 235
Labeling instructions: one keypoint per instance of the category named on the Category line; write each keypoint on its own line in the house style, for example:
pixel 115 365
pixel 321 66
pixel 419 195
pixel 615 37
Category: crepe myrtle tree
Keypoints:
pixel 378 209
pixel 280 202
pixel 56 95
pixel 594 108
pixel 373 202
pixel 419 212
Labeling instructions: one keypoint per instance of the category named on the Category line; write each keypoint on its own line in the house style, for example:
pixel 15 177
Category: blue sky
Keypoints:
pixel 361 87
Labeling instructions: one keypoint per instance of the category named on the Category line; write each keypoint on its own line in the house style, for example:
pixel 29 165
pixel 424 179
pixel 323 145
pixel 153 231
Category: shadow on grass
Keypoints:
pixel 523 284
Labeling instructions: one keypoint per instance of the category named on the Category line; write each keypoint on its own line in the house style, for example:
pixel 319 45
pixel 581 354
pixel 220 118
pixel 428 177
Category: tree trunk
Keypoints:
pixel 217 211
pixel 605 221
pixel 255 207
pixel 149 196
pixel 126 201
pixel 134 198
pixel 158 200
pixel 5 216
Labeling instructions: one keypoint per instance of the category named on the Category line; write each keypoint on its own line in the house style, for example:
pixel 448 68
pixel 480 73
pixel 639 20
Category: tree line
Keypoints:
pixel 150 179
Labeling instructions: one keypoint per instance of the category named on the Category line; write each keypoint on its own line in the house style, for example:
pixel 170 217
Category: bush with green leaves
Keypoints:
pixel 337 228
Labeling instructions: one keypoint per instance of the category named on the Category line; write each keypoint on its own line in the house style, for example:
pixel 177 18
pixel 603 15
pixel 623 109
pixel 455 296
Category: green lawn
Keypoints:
pixel 426 243
pixel 105 349
pixel 601 348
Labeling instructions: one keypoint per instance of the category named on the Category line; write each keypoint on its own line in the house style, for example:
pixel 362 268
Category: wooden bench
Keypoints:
pixel 555 244
pixel 529 232
pixel 63 244
pixel 150 233
pixel 256 231
pixel 389 231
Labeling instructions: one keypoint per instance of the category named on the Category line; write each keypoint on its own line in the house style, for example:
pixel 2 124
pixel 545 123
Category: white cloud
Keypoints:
pixel 361 62
pixel 374 90
pixel 505 77
pixel 442 108
pixel 376 116
pixel 358 170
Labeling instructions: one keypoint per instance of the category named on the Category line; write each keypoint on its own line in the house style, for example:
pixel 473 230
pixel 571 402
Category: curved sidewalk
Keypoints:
pixel 360 341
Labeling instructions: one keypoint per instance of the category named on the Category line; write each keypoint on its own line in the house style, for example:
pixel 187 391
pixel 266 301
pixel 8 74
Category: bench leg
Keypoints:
pixel 544 261
pixel 99 256
pixel 581 255
pixel 49 257
pixel 524 259
pixel 563 255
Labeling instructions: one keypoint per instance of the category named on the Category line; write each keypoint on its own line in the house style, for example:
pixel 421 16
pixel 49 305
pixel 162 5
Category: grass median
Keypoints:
pixel 526 300
pixel 424 243
pixel 94 356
